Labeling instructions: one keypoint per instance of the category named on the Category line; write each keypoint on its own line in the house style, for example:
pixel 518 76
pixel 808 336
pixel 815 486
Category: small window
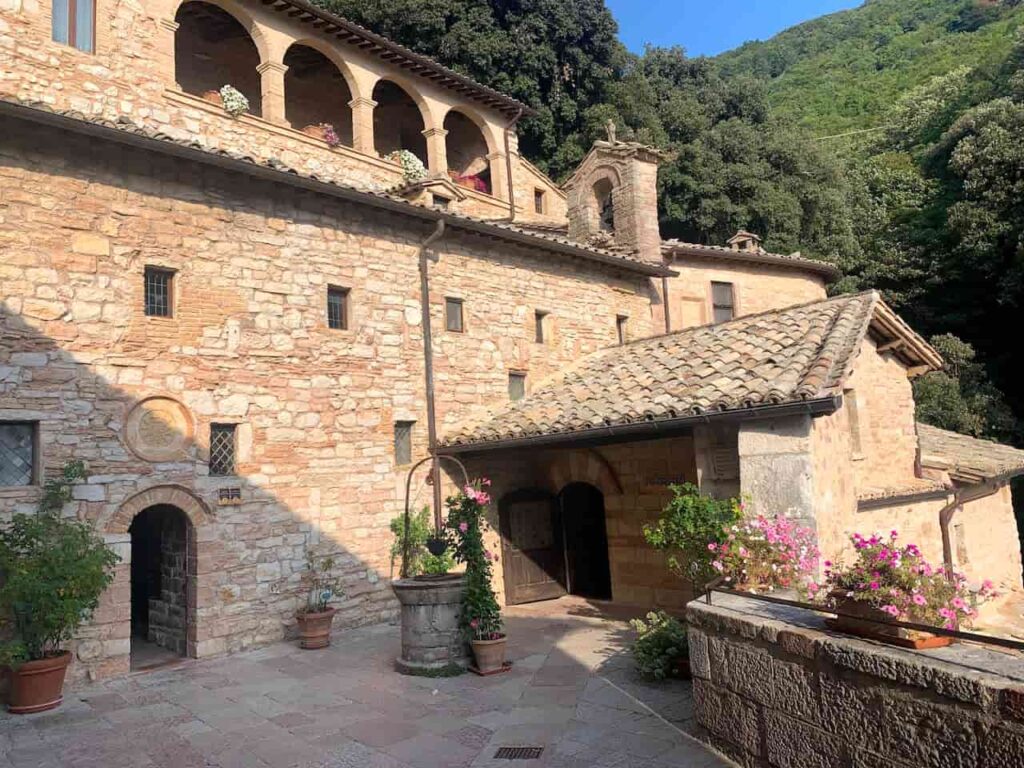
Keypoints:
pixel 853 413
pixel 403 442
pixel 222 449
pixel 621 328
pixel 540 319
pixel 453 315
pixel 538 200
pixel 440 202
pixel 722 302
pixel 74 23
pixel 159 297
pixel 516 386
pixel 17 453
pixel 337 308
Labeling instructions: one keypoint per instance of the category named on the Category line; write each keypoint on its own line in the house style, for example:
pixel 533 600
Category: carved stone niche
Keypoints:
pixel 159 428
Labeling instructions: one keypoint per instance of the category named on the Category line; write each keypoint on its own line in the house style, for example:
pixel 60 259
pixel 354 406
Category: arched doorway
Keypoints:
pixel 588 572
pixel 161 571
pixel 554 545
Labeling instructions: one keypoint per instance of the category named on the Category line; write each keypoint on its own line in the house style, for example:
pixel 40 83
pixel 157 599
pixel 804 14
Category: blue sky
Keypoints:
pixel 704 27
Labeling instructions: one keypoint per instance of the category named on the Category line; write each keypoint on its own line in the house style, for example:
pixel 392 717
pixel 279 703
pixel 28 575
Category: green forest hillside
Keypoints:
pixel 844 71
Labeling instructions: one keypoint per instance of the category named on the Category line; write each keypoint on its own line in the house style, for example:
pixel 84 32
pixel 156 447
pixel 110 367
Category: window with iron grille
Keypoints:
pixel 516 386
pixel 337 308
pixel 403 441
pixel 453 315
pixel 222 449
pixel 723 302
pixel 17 453
pixel 621 328
pixel 74 23
pixel 540 320
pixel 159 288
pixel 440 202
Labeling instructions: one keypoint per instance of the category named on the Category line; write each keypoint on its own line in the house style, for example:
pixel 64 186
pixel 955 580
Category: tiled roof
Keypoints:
pixel 126 131
pixel 397 55
pixel 968 459
pixel 760 256
pixel 796 355
pixel 921 487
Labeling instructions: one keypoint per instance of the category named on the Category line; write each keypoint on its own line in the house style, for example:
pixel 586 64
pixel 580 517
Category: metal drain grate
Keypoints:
pixel 518 753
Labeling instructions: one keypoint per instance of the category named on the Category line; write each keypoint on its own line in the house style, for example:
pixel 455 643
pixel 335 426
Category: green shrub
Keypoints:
pixel 688 524
pixel 660 646
pixel 419 560
pixel 53 570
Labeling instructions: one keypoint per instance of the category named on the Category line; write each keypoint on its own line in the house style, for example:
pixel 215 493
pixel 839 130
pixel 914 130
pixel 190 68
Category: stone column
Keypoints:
pixel 362 124
pixel 272 91
pixel 499 175
pixel 437 151
pixel 166 30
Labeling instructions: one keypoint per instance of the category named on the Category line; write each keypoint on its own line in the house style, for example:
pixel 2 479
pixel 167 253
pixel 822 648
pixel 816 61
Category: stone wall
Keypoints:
pixel 168 613
pixel 773 689
pixel 134 396
pixel 756 288
pixel 131 75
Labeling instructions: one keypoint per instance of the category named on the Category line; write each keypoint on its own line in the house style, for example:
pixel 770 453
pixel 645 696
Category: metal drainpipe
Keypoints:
pixel 664 301
pixel 428 366
pixel 508 166
pixel 946 517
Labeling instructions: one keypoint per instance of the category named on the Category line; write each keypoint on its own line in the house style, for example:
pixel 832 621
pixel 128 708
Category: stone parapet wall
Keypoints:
pixel 773 689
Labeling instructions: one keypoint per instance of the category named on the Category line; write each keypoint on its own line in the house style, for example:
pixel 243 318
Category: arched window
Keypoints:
pixel 397 122
pixel 604 206
pixel 211 50
pixel 316 94
pixel 467 152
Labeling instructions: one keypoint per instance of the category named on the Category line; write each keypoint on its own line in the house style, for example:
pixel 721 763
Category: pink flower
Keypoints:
pixel 717 565
pixel 958 602
pixel 463 527
pixel 874 585
pixel 712 547
pixel 474 624
pixel 892 610
pixel 919 600
pixel 946 613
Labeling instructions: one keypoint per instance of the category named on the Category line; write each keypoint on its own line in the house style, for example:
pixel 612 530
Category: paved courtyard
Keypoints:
pixel 572 690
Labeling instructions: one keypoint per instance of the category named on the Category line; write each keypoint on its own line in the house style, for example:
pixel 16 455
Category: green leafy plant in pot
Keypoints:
pixel 480 618
pixel 53 570
pixel 316 616
pixel 417 544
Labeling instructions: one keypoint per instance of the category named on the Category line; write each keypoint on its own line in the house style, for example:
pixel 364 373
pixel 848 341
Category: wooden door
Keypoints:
pixel 533 554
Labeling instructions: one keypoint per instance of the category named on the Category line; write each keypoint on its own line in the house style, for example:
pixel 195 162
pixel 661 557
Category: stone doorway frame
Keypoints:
pixel 115 531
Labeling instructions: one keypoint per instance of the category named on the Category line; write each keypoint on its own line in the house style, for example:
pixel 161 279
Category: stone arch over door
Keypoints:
pixel 581 466
pixel 161 495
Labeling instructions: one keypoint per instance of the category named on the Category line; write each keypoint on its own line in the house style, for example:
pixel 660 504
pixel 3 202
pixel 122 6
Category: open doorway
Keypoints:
pixel 588 572
pixel 159 586
pixel 555 545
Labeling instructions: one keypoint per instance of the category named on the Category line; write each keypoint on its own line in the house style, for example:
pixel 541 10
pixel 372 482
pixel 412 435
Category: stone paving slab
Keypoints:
pixel 572 690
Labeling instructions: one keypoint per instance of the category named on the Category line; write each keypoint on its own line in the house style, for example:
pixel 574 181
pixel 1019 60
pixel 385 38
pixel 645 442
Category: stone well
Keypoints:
pixel 431 640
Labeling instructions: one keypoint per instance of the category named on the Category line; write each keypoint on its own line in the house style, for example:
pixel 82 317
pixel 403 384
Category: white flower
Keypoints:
pixel 234 101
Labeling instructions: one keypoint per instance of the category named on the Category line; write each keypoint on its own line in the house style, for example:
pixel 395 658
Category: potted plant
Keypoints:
pixel 53 570
pixel 234 101
pixel 762 554
pixel 480 618
pixel 316 616
pixel 889 582
pixel 213 96
pixel 661 649
pixel 689 523
pixel 415 546
pixel 412 167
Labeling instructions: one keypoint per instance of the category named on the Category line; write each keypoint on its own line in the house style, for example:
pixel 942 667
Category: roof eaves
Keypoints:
pixel 129 134
pixel 829 271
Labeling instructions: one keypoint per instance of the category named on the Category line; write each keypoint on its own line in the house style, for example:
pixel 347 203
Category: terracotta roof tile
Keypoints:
pixel 792 355
pixel 968 459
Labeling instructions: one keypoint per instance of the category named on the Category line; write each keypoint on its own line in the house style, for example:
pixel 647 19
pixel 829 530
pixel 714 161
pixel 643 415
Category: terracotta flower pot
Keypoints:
pixel 315 629
pixel 316 131
pixel 490 654
pixel 37 686
pixel 214 97
pixel 867 621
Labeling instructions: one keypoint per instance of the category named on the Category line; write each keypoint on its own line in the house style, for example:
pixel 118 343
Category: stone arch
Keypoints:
pixel 470 150
pixel 179 496
pixel 216 43
pixel 400 124
pixel 317 91
pixel 581 466
pixel 331 53
pixel 256 32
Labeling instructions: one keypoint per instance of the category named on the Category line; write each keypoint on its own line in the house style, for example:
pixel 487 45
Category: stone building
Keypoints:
pixel 221 316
